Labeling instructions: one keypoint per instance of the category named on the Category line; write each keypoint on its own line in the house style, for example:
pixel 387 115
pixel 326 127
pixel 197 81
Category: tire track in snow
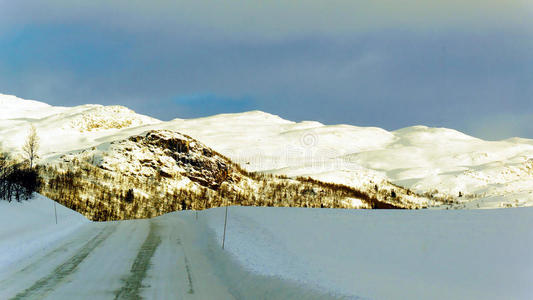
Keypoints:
pixel 46 284
pixel 36 264
pixel 189 276
pixel 141 264
pixel 188 269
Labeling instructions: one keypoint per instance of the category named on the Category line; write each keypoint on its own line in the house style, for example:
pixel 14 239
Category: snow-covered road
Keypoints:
pixel 174 256
pixel 151 259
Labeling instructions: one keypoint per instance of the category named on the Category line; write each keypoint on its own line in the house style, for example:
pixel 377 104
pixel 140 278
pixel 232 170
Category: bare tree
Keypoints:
pixel 4 173
pixel 31 146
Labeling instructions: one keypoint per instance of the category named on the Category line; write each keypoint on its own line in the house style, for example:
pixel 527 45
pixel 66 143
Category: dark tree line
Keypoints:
pixel 17 181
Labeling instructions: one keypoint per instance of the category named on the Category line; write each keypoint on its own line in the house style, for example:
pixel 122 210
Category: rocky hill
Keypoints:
pixel 161 171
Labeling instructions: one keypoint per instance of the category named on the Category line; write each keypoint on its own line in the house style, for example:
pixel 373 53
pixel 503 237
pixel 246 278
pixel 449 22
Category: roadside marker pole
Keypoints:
pixel 225 221
pixel 55 211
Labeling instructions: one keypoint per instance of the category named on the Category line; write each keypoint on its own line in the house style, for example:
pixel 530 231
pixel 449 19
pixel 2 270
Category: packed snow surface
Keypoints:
pixel 270 253
pixel 78 259
pixel 487 174
pixel 29 226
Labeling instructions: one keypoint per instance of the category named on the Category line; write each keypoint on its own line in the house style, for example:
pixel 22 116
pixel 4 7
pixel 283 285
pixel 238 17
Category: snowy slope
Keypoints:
pixel 29 226
pixel 421 158
pixel 62 129
pixel 428 254
pixel 487 174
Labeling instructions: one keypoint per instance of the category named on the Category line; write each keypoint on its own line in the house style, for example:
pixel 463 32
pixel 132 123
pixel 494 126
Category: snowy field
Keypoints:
pixel 380 254
pixel 271 253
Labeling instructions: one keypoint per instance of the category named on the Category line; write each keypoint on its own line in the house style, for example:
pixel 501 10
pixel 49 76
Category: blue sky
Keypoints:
pixel 466 65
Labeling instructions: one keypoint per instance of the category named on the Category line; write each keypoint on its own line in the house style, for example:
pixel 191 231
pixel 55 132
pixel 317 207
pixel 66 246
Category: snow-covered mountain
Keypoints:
pixel 164 171
pixel 432 161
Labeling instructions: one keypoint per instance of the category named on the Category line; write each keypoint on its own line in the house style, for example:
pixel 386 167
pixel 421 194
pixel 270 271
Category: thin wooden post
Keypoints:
pixel 225 222
pixel 55 211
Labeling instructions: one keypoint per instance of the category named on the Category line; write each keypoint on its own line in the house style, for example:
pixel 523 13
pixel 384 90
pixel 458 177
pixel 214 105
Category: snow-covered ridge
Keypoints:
pixel 13 107
pixel 17 103
pixel 62 129
pixel 486 174
pixel 108 117
pixel 84 117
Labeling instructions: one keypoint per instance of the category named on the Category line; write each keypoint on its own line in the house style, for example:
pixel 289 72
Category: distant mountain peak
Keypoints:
pixel 109 117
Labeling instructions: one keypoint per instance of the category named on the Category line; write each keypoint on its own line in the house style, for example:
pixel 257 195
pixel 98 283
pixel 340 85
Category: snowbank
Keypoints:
pixel 428 254
pixel 28 227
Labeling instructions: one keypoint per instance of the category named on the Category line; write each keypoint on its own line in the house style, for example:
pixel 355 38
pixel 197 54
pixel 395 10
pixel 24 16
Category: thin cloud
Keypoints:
pixel 275 19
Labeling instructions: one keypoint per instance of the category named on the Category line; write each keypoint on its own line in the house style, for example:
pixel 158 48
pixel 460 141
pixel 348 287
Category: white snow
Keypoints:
pixel 29 226
pixel 63 129
pixel 489 174
pixel 274 253
pixel 424 254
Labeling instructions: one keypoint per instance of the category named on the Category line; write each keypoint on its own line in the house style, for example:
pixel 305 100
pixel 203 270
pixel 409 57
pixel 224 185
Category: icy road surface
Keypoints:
pixel 117 260
pixel 169 257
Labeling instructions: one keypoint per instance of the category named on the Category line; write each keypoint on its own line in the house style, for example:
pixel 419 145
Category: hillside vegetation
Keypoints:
pixel 162 171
